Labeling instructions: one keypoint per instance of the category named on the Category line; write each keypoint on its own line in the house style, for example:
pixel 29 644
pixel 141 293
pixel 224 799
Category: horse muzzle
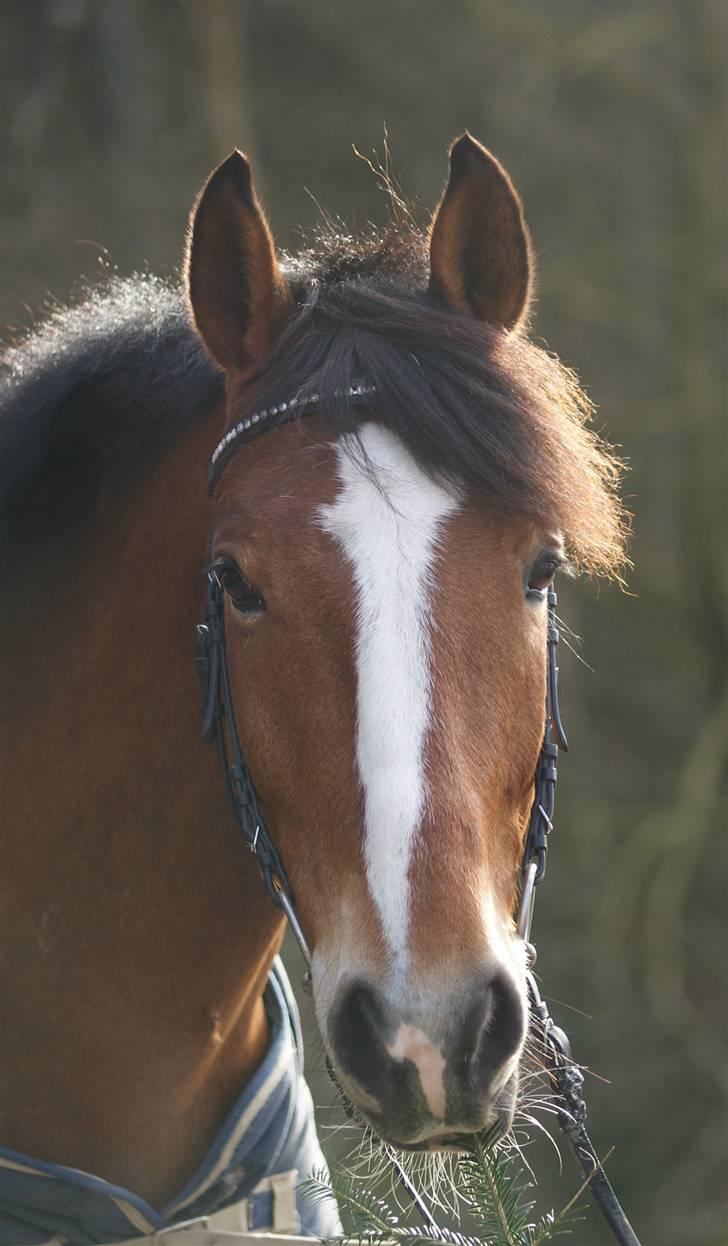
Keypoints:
pixel 422 1075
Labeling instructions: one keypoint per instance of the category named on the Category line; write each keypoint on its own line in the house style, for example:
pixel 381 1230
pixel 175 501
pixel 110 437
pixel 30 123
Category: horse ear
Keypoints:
pixel 238 294
pixel 480 253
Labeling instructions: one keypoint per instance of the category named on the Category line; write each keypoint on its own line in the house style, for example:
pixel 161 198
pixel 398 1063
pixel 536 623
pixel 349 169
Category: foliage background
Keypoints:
pixel 610 115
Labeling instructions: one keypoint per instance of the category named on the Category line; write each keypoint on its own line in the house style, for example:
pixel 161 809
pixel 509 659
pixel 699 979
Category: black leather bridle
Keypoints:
pixel 219 726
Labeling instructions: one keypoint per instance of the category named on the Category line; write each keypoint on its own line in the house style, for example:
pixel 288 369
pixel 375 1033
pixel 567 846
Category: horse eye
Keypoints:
pixel 543 572
pixel 243 596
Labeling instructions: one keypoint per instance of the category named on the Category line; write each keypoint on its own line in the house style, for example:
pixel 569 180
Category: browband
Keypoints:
pixel 271 417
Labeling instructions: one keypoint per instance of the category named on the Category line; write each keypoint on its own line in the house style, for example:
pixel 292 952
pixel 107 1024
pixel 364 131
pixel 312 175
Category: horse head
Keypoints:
pixel 385 562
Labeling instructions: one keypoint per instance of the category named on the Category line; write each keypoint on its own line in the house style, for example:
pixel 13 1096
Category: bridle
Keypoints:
pixel 218 713
pixel 219 726
pixel 211 663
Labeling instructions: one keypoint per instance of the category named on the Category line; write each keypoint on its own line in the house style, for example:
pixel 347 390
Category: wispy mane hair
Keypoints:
pixel 476 405
pixel 91 398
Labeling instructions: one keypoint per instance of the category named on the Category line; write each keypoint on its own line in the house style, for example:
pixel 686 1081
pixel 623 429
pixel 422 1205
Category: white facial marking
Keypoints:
pixel 387 518
pixel 413 1044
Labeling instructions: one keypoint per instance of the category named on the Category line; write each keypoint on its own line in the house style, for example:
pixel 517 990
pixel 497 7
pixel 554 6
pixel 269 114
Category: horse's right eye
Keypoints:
pixel 543 572
pixel 245 598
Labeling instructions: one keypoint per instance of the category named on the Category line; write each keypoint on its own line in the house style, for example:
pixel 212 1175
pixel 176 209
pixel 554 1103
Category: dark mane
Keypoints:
pixel 96 392
pixel 474 404
pixel 108 386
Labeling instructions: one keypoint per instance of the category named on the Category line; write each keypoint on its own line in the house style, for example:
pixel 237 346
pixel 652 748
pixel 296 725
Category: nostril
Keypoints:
pixel 357 1033
pixel 502 1026
pixel 362 1012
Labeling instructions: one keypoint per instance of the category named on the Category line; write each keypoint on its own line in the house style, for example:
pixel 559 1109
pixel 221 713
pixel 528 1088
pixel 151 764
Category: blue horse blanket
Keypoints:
pixel 270 1130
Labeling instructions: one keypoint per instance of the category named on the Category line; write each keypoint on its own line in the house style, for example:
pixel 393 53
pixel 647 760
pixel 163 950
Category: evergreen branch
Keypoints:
pixel 488 1180
pixel 495 1192
pixel 368 1212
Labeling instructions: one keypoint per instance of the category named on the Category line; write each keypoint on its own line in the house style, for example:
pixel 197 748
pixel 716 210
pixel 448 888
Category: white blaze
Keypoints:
pixel 387 519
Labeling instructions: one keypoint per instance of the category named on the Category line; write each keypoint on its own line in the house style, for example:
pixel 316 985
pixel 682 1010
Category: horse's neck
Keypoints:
pixel 136 936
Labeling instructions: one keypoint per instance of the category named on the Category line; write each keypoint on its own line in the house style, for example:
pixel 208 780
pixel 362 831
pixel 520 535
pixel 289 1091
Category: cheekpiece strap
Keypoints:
pixel 542 810
pixel 219 727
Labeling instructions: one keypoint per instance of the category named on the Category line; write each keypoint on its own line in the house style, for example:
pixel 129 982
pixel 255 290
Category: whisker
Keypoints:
pixel 568 636
pixel 552 999
pixel 536 1124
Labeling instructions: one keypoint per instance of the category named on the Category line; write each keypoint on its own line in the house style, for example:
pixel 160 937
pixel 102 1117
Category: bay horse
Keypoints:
pixel 383 561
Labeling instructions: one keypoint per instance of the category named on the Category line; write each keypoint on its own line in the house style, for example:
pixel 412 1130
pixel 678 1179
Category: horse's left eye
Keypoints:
pixel 243 596
pixel 543 572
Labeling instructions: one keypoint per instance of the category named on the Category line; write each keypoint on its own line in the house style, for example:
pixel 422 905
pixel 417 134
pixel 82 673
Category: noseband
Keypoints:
pixel 219 726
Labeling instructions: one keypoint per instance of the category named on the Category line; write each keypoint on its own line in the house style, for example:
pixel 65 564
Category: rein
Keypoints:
pixel 564 1075
pixel 219 726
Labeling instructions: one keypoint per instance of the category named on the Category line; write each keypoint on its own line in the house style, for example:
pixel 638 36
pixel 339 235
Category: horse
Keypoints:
pixel 397 474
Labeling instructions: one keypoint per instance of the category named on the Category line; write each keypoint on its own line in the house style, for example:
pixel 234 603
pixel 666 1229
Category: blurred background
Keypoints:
pixel 610 116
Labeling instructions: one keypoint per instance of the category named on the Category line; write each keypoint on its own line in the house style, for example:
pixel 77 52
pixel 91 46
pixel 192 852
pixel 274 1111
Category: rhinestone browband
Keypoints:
pixel 271 417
